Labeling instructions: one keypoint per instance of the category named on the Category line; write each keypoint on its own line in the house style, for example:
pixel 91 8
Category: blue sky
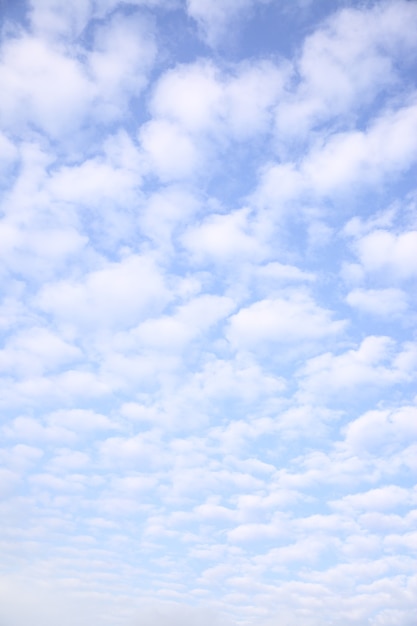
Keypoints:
pixel 208 262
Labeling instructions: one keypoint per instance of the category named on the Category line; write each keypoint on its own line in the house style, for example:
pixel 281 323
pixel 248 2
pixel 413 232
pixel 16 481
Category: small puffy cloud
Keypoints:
pixel 375 363
pixel 49 87
pixel 295 318
pixel 190 96
pixel 8 154
pixel 382 431
pixel 381 499
pixel 171 152
pixel 123 54
pixel 33 252
pixel 202 99
pixel 250 97
pixel 21 457
pixel 166 212
pixel 197 108
pixel 299 420
pixel 279 184
pixel 222 238
pixel 368 157
pixel 254 531
pixel 119 293
pixel 30 430
pixel 244 380
pixel 345 63
pixel 282 273
pixel 99 181
pixel 380 302
pixel 52 19
pixel 386 253
pixel 142 451
pixel 342 159
pixel 80 420
pixel 36 350
pixel 43 86
pixel 189 321
pixel 66 460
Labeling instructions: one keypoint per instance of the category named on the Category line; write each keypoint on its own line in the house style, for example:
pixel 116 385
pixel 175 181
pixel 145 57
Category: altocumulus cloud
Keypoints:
pixel 208 253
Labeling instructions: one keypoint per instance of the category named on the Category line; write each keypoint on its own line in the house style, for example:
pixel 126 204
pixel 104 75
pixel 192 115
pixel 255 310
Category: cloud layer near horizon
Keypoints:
pixel 208 255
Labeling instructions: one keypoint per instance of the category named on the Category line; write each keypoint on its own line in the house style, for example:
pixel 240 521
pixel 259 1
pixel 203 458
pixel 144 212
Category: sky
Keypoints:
pixel 208 251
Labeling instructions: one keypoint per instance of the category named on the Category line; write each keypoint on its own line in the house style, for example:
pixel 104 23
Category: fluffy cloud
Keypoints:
pixel 171 152
pixel 224 237
pixel 43 86
pixel 375 363
pixel 364 157
pixel 192 319
pixel 382 302
pixel 36 350
pixel 202 99
pixel 386 253
pixel 382 430
pixel 346 63
pixel 52 90
pixel 119 293
pixel 295 318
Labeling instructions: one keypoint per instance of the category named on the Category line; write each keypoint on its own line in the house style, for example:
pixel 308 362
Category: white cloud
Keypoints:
pixel 197 109
pixel 279 184
pixel 295 318
pixel 374 364
pixel 244 379
pixel 282 273
pixel 80 420
pixel 190 320
pixel 250 97
pixel 380 302
pixel 172 153
pixel 142 451
pixel 66 459
pixel 202 99
pixel 96 182
pixel 8 154
pixel 36 350
pixel 123 54
pixel 345 63
pixel 42 86
pixel 382 431
pixel 189 96
pixel 386 253
pixel 339 160
pixel 222 238
pixel 33 252
pixel 165 212
pixel 119 293
pixel 364 157
pixel 382 499
pixel 21 457
pixel 53 90
pixel 51 18
pixel 194 248
pixel 30 430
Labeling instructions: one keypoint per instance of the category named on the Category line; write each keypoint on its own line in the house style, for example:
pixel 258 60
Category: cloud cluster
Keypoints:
pixel 207 357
